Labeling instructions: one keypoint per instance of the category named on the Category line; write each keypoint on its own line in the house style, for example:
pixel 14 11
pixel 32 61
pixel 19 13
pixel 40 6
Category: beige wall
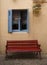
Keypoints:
pixel 40 28
pixel 0 24
pixel 0 18
pixel 37 25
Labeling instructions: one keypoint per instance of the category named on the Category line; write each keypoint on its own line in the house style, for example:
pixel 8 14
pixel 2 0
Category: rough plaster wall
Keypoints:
pixel 0 26
pixel 18 4
pixel 37 25
pixel 40 28
pixel 0 19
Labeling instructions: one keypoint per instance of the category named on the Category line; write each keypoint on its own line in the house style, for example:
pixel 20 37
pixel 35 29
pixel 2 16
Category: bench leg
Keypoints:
pixel 39 55
pixel 6 54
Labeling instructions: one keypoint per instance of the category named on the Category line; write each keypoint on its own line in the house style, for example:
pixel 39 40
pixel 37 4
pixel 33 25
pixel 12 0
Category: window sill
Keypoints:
pixel 20 31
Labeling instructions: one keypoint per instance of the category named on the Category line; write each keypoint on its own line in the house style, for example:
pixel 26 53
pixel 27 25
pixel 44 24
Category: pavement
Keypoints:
pixel 22 61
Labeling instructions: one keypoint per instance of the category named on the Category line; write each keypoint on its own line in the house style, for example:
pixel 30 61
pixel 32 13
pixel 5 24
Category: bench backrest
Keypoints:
pixel 22 42
pixel 28 45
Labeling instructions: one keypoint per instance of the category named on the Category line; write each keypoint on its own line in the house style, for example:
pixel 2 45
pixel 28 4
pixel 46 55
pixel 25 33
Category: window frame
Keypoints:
pixel 10 22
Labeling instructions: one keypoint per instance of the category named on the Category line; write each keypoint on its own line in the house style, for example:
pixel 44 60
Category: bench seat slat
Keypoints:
pixel 24 46
pixel 21 44
pixel 24 50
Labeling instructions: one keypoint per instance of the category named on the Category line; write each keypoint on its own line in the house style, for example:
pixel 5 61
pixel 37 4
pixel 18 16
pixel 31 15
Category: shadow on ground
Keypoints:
pixel 22 56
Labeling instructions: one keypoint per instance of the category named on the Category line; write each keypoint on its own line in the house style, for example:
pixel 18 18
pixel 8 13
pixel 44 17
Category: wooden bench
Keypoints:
pixel 23 46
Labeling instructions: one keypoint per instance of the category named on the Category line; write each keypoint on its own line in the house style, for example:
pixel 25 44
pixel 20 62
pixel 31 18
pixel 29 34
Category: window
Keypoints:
pixel 18 20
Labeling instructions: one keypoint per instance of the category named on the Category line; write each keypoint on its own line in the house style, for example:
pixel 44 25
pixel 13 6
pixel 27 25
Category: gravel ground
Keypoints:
pixel 22 61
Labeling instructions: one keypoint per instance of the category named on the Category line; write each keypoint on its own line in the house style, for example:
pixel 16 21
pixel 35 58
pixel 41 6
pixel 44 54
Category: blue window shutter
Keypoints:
pixel 10 21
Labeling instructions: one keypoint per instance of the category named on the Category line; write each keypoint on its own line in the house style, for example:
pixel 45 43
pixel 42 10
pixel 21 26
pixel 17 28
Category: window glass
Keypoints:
pixel 15 19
